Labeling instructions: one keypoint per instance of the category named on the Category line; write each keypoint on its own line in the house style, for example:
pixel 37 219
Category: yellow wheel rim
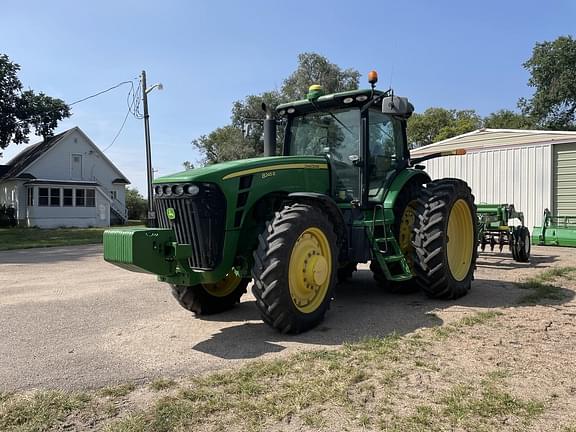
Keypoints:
pixel 310 270
pixel 405 233
pixel 224 287
pixel 460 240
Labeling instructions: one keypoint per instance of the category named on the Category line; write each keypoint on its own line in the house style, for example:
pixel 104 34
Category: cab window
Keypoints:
pixel 338 138
pixel 384 151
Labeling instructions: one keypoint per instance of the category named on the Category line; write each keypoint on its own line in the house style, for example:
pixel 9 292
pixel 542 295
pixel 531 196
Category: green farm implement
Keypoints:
pixel 494 230
pixel 344 191
pixel 556 231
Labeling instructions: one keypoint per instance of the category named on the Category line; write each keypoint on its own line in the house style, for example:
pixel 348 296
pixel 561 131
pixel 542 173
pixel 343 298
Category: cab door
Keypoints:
pixel 385 152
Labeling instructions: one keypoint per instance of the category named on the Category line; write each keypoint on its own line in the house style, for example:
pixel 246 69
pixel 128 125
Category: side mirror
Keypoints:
pixel 397 106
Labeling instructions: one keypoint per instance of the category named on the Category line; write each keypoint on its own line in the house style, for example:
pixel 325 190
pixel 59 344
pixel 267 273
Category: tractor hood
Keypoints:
pixel 223 171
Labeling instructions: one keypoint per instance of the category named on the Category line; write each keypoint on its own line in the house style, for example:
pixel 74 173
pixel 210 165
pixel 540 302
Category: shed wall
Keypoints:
pixel 565 179
pixel 515 175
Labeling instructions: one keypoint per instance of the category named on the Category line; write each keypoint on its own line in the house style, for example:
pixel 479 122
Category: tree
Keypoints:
pixel 316 69
pixel 437 124
pixel 243 137
pixel 552 70
pixel 506 119
pixel 224 144
pixel 22 110
pixel 136 204
pixel 188 165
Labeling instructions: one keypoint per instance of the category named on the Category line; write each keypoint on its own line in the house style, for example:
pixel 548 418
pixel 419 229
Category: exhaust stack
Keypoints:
pixel 269 132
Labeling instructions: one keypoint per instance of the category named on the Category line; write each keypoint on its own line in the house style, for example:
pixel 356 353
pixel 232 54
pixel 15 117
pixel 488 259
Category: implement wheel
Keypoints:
pixel 445 239
pixel 295 268
pixel 208 299
pixel 521 244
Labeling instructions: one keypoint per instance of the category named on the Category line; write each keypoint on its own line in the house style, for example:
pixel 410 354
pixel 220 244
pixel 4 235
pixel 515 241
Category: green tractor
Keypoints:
pixel 344 191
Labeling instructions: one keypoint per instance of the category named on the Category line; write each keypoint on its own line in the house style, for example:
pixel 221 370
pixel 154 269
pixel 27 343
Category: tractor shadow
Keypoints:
pixel 361 309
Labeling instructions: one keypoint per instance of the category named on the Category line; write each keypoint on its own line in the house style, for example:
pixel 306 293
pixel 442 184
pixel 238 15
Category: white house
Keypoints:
pixel 64 181
pixel 532 169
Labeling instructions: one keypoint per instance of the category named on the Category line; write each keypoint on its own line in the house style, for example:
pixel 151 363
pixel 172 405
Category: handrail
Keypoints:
pixel 115 203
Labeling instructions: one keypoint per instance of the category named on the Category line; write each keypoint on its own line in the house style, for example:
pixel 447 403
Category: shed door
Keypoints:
pixel 565 179
pixel 76 166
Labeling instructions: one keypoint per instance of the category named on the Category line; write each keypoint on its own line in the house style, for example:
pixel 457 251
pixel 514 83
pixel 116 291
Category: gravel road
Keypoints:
pixel 70 320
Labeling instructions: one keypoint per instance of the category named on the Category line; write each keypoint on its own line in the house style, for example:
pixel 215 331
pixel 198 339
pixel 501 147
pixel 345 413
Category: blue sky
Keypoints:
pixel 207 54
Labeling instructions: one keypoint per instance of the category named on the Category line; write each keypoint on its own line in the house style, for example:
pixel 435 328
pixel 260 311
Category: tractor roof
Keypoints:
pixel 329 100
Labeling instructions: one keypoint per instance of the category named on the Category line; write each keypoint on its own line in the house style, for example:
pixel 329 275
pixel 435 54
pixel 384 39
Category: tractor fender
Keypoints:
pixel 405 177
pixel 328 206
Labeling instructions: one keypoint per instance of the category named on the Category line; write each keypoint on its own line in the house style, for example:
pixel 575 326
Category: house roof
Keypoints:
pixel 29 155
pixel 33 152
pixel 3 169
pixel 482 139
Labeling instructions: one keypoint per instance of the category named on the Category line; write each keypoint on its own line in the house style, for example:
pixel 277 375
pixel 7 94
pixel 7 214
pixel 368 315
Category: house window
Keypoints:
pixel 90 198
pixel 30 196
pixel 54 197
pixel 114 195
pixel 43 197
pixel 80 198
pixel 68 198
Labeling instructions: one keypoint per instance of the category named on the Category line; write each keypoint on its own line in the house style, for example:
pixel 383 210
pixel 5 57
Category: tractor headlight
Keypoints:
pixel 167 190
pixel 158 190
pixel 178 189
pixel 192 189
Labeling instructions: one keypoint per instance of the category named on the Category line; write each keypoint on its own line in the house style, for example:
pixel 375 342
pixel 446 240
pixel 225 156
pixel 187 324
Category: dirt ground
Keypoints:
pixel 71 321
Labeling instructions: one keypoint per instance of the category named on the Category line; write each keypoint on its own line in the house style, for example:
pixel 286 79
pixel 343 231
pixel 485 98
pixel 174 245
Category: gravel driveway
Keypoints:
pixel 70 320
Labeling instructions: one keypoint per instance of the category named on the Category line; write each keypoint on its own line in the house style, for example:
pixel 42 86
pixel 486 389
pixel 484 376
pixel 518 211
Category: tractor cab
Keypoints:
pixel 361 133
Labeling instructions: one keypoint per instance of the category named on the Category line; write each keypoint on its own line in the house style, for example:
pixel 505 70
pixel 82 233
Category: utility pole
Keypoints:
pixel 149 174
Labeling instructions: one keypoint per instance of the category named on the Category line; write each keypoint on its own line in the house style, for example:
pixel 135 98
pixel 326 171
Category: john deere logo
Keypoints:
pixel 170 213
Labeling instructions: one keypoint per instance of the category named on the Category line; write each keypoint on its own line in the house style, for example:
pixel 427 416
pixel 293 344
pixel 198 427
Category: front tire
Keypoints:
pixel 208 299
pixel 445 239
pixel 295 267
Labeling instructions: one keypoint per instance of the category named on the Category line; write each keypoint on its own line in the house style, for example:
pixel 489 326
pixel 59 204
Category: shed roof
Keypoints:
pixel 482 139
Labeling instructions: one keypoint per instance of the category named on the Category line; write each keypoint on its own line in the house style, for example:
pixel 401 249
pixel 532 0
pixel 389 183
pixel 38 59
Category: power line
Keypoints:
pixel 119 131
pixel 101 92
pixel 132 109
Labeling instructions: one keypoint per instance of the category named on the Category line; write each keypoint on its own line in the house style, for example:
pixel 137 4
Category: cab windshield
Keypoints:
pixel 337 137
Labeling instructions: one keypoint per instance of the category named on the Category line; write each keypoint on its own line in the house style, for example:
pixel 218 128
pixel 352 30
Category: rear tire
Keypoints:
pixel 522 244
pixel 446 239
pixel 295 267
pixel 200 299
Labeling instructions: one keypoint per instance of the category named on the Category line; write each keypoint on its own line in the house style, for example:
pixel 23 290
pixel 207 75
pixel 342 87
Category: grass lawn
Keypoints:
pixel 24 238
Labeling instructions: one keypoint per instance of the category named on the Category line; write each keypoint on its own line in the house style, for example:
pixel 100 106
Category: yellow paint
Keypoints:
pixel 310 270
pixel 224 287
pixel 276 168
pixel 405 232
pixel 460 245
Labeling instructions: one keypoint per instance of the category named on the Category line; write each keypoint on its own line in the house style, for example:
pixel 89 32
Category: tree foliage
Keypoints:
pixel 136 204
pixel 242 138
pixel 552 70
pixel 224 144
pixel 436 124
pixel 506 119
pixel 316 69
pixel 20 111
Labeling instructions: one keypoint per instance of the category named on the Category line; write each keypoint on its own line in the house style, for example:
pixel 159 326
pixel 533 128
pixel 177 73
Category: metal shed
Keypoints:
pixel 532 169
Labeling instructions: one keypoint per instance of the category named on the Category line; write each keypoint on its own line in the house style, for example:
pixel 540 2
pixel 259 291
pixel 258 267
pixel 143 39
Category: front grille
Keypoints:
pixel 199 221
